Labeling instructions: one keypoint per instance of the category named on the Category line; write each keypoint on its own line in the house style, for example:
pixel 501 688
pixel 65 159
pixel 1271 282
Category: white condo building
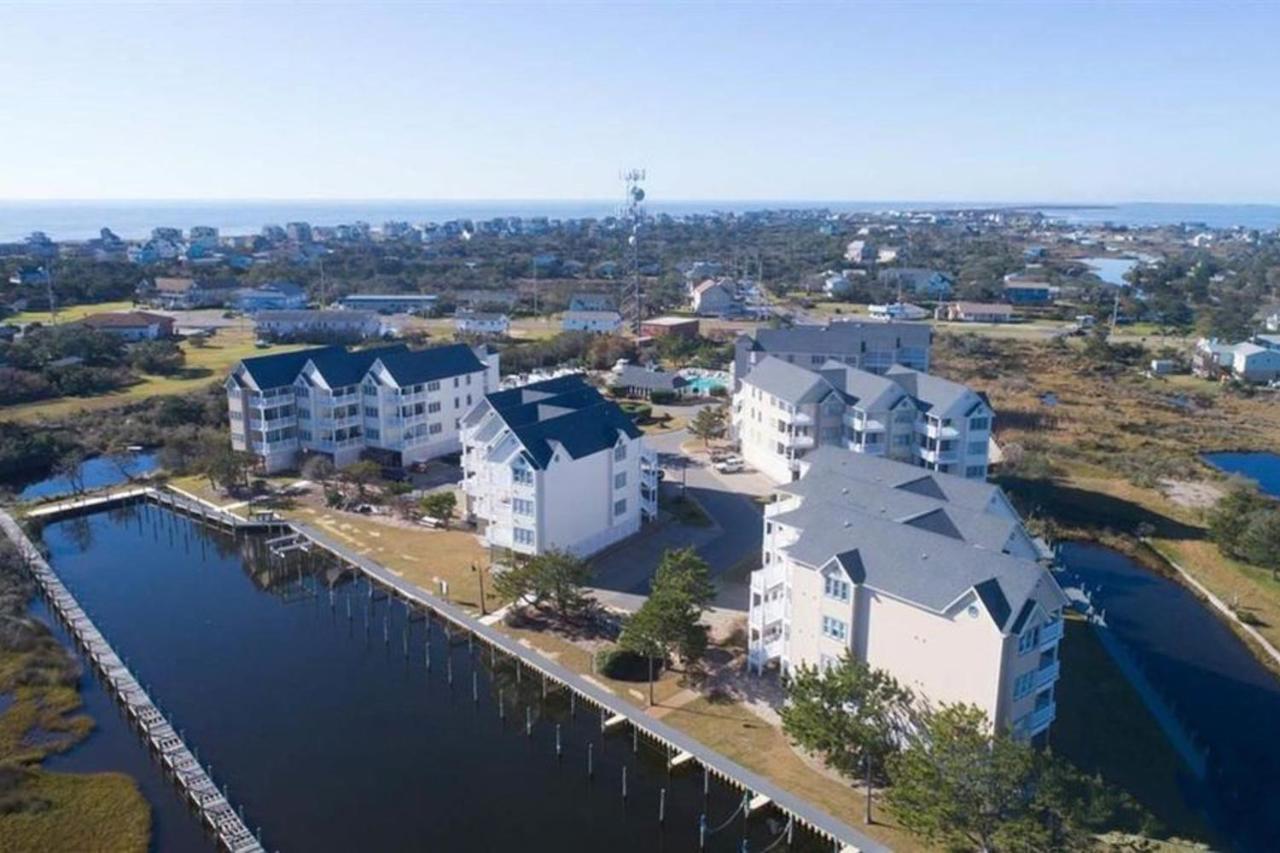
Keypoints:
pixel 554 465
pixel 404 404
pixel 873 346
pixel 781 412
pixel 927 576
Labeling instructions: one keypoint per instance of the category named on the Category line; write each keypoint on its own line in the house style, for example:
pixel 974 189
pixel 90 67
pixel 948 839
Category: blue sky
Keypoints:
pixel 902 101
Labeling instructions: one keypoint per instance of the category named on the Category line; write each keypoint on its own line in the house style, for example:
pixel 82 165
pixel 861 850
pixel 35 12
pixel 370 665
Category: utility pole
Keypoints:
pixel 48 283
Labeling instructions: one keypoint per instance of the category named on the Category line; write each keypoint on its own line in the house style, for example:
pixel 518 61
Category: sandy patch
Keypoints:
pixel 1191 494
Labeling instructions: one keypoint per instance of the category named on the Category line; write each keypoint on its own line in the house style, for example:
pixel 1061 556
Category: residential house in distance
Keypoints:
pixel 1256 364
pixel 479 300
pixel 554 465
pixel 272 296
pixel 837 285
pixel 635 381
pixel 317 325
pixel 401 404
pixel 1027 292
pixel 713 298
pixel 923 283
pixel 29 277
pixel 975 312
pixel 859 252
pixel 188 293
pixel 390 303
pixel 897 311
pixel 661 327
pixel 131 325
pixel 481 323
pixel 930 577
pixel 592 302
pixel 781 412
pixel 596 322
pixel 1269 316
pixel 1255 361
pixel 871 346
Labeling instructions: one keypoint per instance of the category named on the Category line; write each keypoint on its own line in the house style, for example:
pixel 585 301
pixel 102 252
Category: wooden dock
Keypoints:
pixel 205 797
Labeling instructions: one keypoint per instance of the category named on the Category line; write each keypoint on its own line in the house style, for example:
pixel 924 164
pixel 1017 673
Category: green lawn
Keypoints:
pixel 61 811
pixel 71 313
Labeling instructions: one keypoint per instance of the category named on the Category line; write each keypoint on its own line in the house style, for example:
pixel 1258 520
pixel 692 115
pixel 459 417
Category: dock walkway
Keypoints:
pixel 213 807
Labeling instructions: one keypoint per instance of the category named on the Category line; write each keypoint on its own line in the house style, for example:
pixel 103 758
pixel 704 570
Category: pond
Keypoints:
pixel 1264 468
pixel 1111 270
pixel 1220 691
pixel 98 472
pixel 322 717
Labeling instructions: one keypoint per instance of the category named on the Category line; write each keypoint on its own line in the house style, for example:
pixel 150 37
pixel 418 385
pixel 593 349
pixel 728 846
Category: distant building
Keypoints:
pixel 298 232
pixel 837 285
pixel 390 303
pixel 592 302
pixel 1028 293
pixel 29 276
pixel 273 296
pixel 1253 363
pixel 317 325
pixel 897 311
pixel 482 299
pixel 859 252
pixel 714 298
pixel 189 293
pixel 392 401
pixel 661 327
pixel 1034 253
pixel 926 283
pixel 636 381
pixel 871 346
pixel 975 312
pixel 601 322
pixel 131 325
pixel 554 465
pixel 481 323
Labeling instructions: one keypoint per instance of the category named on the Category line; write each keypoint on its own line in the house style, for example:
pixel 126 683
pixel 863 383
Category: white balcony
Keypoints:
pixel 1036 721
pixel 1050 634
pixel 1046 675
pixel 799 442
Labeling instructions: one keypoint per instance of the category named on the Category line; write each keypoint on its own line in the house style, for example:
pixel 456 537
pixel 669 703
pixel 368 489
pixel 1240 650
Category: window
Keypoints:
pixel 619 453
pixel 435 429
pixel 902 440
pixel 1022 684
pixel 977 448
pixel 370 388
pixel 433 408
pixel 373 433
pixel 620 480
pixel 834 628
pixel 979 423
pixel 522 506
pixel 468 396
pixel 522 535
pixel 620 507
pixel 455 382
pixel 975 471
pixel 304 434
pixel 433 386
pixel 522 475
pixel 1029 640
pixel 370 411
pixel 836 588
pixel 457 402
pixel 468 378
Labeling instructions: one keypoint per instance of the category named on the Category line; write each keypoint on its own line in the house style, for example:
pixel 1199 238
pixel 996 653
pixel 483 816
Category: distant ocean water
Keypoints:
pixel 71 220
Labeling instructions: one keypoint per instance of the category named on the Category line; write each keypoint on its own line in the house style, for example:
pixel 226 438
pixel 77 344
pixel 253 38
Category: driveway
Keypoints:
pixel 623 573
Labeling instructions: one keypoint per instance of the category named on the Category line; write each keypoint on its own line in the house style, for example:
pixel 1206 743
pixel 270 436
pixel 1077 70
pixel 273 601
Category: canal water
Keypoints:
pixel 96 473
pixel 1261 467
pixel 1218 689
pixel 330 730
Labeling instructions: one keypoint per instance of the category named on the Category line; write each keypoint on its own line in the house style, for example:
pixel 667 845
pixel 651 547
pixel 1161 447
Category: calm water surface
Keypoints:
pixel 1261 467
pixel 332 737
pixel 98 472
pixel 1222 693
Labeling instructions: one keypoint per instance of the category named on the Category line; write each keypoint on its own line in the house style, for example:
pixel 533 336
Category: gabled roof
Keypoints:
pixel 934 394
pixel 409 367
pixel 634 376
pixel 592 315
pixel 788 381
pixel 901 476
pixel 280 369
pixel 839 339
pixel 564 412
pixel 862 388
pixel 340 367
pixel 124 320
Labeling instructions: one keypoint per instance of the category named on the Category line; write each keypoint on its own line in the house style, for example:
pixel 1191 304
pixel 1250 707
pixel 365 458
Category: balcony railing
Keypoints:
pixel 1050 634
pixel 1036 721
pixel 1046 675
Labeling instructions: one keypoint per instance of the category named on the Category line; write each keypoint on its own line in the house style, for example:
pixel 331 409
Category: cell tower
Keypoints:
pixel 632 215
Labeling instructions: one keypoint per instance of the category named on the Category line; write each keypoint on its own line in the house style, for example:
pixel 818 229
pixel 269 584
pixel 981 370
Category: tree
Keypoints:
pixel 440 505
pixel 1232 515
pixel 361 474
pixel 556 577
pixel 226 468
pixel 319 469
pixel 670 620
pixel 958 784
pixel 70 465
pixel 852 715
pixel 709 423
pixel 1259 542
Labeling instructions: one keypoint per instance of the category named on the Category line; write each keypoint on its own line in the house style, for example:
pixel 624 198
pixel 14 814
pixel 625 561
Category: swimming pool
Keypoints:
pixel 704 385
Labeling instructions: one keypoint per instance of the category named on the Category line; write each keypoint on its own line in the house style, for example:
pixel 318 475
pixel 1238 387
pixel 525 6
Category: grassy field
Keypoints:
pixel 1120 449
pixel 204 365
pixel 71 313
pixel 83 812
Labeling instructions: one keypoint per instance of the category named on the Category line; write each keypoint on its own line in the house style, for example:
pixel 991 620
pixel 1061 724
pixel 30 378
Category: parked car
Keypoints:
pixel 732 465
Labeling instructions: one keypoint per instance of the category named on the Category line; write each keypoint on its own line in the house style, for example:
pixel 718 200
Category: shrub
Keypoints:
pixel 662 397
pixel 719 391
pixel 622 665
pixel 639 412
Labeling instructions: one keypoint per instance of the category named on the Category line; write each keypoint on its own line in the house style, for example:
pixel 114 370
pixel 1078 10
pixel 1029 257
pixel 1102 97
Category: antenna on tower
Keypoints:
pixel 632 215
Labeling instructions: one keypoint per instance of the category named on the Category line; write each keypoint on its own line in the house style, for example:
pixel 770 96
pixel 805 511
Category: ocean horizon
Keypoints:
pixel 133 219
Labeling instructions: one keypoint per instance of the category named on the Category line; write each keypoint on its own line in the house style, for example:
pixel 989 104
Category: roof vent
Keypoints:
pixel 847 523
pixel 924 556
pixel 844 490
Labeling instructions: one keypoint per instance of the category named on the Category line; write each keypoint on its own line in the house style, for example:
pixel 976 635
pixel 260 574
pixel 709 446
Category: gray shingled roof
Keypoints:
pixel 864 468
pixel 936 394
pixel 861 388
pixel 787 381
pixel 836 338
pixel 634 376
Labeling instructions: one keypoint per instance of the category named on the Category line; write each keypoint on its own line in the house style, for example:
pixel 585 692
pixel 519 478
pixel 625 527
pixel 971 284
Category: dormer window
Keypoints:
pixel 619 453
